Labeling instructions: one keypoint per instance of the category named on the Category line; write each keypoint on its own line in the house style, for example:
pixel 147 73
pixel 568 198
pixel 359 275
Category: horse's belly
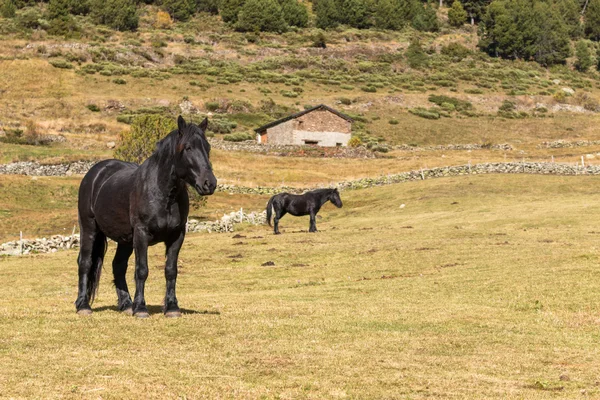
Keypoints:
pixel 111 211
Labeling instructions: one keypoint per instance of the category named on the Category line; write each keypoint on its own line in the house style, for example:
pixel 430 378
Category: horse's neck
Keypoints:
pixel 325 198
pixel 163 174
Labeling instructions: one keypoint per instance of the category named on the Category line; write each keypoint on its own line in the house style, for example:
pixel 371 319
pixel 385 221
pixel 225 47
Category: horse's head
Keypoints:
pixel 192 159
pixel 335 198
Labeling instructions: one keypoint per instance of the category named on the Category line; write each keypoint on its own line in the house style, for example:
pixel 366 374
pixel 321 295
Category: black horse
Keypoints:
pixel 308 203
pixel 139 206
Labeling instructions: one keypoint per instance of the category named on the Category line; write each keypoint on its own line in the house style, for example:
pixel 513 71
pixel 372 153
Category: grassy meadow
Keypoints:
pixel 478 287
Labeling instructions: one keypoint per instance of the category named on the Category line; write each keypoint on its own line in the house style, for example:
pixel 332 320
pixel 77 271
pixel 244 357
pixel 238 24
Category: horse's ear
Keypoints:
pixel 181 124
pixel 204 124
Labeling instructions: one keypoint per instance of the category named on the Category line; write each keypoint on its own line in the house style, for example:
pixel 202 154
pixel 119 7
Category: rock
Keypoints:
pixel 111 145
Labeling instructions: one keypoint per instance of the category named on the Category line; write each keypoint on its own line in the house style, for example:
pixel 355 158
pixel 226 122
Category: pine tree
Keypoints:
pixel 261 15
pixel 327 14
pixel 525 29
pixel 389 15
pixel 425 19
pixel 229 10
pixel 570 12
pixel 457 15
pixel 294 13
pixel 592 20
pixel 118 14
pixel 584 57
pixel 180 10
pixel 355 13
pixel 58 8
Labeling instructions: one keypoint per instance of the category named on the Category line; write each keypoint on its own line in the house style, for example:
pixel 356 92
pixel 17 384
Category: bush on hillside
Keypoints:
pixel 457 15
pixel 261 16
pixel 8 9
pixel 139 142
pixel 121 15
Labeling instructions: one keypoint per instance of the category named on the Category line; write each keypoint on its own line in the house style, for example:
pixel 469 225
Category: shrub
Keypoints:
pixel 459 105
pixel 369 89
pixel 211 106
pixel 457 15
pixel 425 113
pixel 118 14
pixel 415 56
pixel 139 142
pixel 294 13
pixel 93 108
pixel 229 10
pixel 59 63
pixel 354 141
pixel 393 122
pixel 31 18
pixel 239 137
pixel 319 40
pixel 507 105
pixel 327 13
pixel 164 21
pixel 261 15
pixel 8 9
pixel 455 51
pixel 181 10
pixel 584 59
pixel 425 18
pixel 345 101
pixel 119 81
pixel 221 125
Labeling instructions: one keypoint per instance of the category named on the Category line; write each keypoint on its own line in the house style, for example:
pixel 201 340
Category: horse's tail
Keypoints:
pixel 270 210
pixel 98 251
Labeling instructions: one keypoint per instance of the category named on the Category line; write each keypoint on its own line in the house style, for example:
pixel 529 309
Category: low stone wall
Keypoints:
pixel 226 223
pixel 471 146
pixel 252 146
pixel 558 144
pixel 37 169
pixel 43 245
pixel 60 242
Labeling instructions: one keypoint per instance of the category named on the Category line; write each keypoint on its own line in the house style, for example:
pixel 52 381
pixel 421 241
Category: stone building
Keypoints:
pixel 318 126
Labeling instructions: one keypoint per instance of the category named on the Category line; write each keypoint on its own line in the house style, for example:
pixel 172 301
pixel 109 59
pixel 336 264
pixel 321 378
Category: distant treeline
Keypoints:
pixel 540 30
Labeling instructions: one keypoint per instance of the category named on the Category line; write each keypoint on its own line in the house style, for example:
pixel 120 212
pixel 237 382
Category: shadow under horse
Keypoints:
pixel 308 203
pixel 138 206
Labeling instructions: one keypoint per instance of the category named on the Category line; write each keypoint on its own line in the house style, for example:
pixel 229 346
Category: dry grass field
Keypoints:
pixel 479 287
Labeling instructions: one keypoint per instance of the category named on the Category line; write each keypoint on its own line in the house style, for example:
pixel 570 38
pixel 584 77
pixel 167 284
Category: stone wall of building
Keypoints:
pixel 322 121
pixel 282 133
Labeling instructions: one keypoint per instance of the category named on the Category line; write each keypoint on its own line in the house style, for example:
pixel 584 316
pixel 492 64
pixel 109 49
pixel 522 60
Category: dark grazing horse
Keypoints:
pixel 308 203
pixel 139 206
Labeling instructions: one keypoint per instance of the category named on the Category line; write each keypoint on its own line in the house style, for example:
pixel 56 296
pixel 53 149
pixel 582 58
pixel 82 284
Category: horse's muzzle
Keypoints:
pixel 208 187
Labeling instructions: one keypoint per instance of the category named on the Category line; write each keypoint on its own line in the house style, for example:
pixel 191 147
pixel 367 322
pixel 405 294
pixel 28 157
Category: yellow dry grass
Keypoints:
pixel 479 287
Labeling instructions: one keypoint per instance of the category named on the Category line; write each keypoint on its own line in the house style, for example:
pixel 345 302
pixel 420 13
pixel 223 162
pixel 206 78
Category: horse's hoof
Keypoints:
pixel 84 312
pixel 128 311
pixel 173 314
pixel 141 314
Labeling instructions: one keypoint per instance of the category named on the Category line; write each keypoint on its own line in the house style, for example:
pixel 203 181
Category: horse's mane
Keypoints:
pixel 323 191
pixel 167 147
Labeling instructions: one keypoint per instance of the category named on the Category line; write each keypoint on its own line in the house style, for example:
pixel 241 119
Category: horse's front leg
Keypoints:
pixel 171 307
pixel 313 222
pixel 140 246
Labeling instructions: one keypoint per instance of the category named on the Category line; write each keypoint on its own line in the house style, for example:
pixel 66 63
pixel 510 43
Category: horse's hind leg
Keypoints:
pixel 119 270
pixel 313 223
pixel 278 215
pixel 90 259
